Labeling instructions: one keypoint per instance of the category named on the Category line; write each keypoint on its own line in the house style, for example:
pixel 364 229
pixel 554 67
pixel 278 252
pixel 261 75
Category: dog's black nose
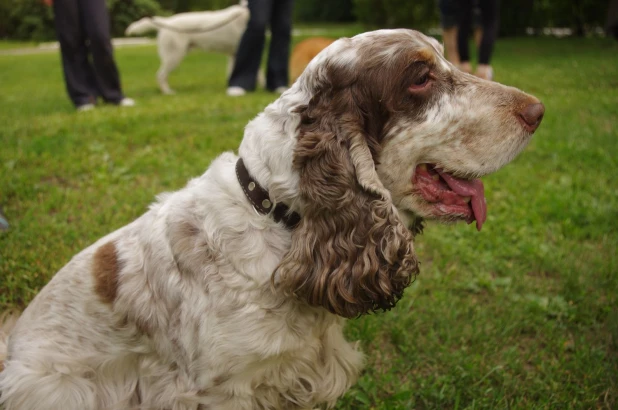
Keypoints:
pixel 532 115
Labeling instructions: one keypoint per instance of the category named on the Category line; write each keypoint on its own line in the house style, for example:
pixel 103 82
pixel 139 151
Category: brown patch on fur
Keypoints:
pixel 183 235
pixel 105 269
pixel 123 323
pixel 189 246
pixel 204 393
pixel 351 253
pixel 220 379
pixel 426 54
pixel 145 326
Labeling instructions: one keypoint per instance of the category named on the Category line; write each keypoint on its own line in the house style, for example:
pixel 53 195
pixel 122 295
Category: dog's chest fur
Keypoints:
pixel 194 313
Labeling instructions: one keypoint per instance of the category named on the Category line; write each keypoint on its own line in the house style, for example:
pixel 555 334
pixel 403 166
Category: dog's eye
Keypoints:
pixel 420 82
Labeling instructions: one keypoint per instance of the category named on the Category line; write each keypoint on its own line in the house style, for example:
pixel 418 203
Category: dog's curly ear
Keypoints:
pixel 351 253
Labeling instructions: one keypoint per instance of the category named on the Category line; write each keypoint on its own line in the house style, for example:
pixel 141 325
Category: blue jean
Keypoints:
pixel 277 14
pixel 83 31
pixel 490 17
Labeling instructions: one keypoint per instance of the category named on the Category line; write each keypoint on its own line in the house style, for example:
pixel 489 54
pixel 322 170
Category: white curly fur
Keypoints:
pixel 191 319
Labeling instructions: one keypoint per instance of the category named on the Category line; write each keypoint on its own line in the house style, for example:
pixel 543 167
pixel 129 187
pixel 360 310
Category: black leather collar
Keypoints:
pixel 260 199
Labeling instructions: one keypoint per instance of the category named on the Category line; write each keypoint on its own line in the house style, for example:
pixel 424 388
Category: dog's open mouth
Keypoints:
pixel 452 197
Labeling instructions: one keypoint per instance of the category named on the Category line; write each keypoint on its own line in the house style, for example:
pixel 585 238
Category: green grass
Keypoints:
pixel 523 315
pixel 9 45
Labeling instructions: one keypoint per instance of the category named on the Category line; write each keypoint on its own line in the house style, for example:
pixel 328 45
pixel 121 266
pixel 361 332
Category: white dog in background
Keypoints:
pixel 218 31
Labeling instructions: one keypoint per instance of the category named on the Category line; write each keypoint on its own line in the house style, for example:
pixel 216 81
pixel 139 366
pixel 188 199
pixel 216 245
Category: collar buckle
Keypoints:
pixel 259 198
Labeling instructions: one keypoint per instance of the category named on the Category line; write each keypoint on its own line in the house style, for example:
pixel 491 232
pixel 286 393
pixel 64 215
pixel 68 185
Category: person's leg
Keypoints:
pixel 449 35
pixel 478 36
pixel 78 75
pixel 463 36
pixel 277 74
pixel 611 24
pixel 489 20
pixel 477 26
pixel 449 18
pixel 249 53
pixel 95 16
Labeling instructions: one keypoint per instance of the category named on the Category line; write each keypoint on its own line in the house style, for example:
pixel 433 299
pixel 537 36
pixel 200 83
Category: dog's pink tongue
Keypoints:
pixel 474 189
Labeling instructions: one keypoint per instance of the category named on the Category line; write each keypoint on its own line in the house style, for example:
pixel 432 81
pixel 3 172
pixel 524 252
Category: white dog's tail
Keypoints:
pixel 140 26
pixel 7 322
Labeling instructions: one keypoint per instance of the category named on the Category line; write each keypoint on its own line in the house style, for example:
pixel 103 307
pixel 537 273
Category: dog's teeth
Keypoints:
pixel 423 167
pixel 435 177
pixel 467 199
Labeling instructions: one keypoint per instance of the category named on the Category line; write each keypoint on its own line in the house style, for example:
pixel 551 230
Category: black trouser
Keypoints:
pixel 83 31
pixel 277 13
pixel 489 24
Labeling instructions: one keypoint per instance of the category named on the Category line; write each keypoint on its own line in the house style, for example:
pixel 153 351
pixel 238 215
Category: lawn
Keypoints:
pixel 10 45
pixel 523 315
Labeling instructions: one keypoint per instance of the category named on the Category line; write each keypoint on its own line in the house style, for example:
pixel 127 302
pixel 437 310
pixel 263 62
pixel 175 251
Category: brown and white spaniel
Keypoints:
pixel 231 293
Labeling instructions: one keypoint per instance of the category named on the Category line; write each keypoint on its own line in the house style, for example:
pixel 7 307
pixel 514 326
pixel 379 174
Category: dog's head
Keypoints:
pixel 389 132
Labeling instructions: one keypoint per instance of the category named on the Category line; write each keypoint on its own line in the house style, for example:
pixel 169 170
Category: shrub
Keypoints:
pixel 124 12
pixel 580 15
pixel 33 20
pixel 323 10
pixel 419 15
pixel 198 5
pixel 27 20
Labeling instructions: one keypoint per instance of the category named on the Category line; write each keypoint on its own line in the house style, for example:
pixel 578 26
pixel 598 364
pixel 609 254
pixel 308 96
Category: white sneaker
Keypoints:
pixel 236 91
pixel 485 72
pixel 281 90
pixel 85 107
pixel 127 102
